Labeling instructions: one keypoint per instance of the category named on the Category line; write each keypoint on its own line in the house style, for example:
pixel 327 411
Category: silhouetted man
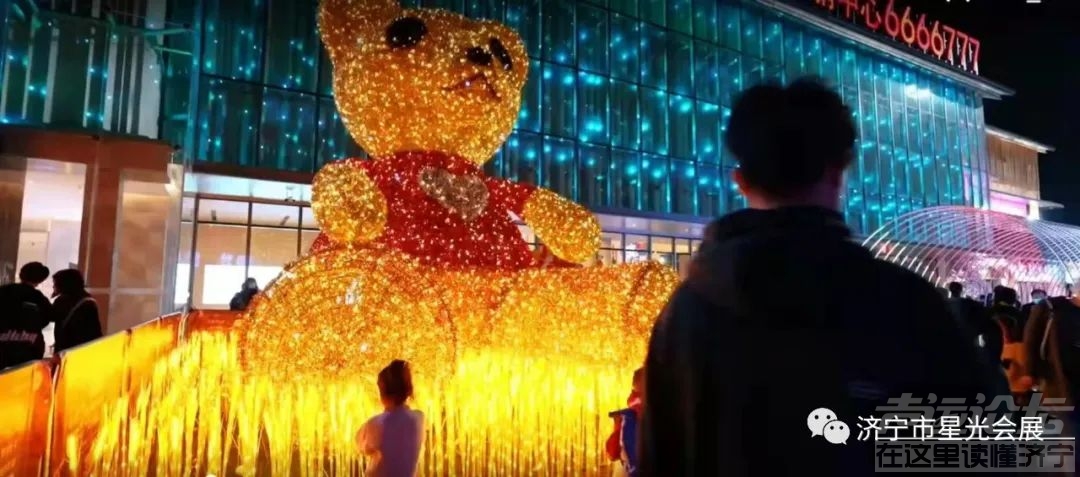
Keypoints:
pixel 24 312
pixel 734 369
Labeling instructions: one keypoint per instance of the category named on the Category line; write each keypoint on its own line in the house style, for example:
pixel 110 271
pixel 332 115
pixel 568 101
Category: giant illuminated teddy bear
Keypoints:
pixel 420 256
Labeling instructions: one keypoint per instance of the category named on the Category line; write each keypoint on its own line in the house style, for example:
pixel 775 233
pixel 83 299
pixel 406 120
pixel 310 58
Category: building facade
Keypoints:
pixel 624 112
pixel 1014 174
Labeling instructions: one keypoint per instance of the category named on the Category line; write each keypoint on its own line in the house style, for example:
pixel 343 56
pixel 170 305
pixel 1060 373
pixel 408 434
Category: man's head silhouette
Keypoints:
pixel 792 144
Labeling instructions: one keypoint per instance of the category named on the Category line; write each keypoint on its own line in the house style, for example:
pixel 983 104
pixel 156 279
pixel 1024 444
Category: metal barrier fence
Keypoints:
pixel 51 417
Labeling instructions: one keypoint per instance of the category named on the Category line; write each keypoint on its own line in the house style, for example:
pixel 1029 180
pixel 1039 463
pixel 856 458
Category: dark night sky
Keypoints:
pixel 1033 49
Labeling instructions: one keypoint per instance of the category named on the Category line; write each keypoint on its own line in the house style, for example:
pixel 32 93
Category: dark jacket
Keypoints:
pixel 75 324
pixel 24 312
pixel 783 313
pixel 977 318
pixel 242 299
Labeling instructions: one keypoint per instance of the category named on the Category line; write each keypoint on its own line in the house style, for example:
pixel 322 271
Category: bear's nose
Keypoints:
pixel 478 56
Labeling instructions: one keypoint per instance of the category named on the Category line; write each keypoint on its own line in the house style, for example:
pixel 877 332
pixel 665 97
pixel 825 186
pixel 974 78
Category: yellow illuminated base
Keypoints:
pixel 515 372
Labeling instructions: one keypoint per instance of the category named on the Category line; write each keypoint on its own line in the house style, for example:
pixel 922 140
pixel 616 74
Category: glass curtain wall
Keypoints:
pixel 625 105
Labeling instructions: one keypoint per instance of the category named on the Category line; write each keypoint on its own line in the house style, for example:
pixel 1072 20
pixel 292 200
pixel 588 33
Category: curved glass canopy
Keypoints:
pixel 981 249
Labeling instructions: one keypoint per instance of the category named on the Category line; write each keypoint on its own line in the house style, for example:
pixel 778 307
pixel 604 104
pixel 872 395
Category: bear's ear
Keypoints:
pixel 341 22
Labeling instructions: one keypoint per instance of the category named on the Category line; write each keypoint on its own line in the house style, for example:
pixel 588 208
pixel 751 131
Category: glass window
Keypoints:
pixel 233 37
pixel 183 265
pixel 223 211
pixel 710 191
pixel 593 108
pixel 680 16
pixel 625 132
pixel 624 46
pixel 558 94
pixel 653 11
pixel 683 181
pixel 772 42
pixel 681 126
pixel 654 121
pixel 730 76
pixel 751 33
pixel 522 154
pixel 292 45
pixel 592 39
pixel 187 209
pixel 275 215
pixel 307 219
pixel 307 238
pixel 626 7
pixel 229 115
pixel 706 71
pixel 521 16
pixel 559 37
pixel 657 196
pixel 595 173
pixel 625 179
pixel 220 264
pixel 334 140
pixel 706 25
pixel 662 250
pixel 707 132
pixel 729 26
pixel 654 56
pixel 636 248
pixel 680 57
pixel 271 250
pixel 531 100
pixel 559 167
pixel 287 131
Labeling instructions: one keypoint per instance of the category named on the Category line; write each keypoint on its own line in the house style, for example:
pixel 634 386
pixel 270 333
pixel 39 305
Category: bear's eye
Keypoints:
pixel 405 32
pixel 501 53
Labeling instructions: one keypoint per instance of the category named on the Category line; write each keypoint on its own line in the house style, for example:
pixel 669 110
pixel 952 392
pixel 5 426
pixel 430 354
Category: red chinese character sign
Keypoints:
pixel 914 29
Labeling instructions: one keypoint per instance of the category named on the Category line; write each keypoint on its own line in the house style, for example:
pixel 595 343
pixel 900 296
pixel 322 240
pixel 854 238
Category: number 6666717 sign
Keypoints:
pixel 911 28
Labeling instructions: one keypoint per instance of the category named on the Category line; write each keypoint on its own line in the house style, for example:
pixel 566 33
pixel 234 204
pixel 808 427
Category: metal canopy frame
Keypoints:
pixel 981 248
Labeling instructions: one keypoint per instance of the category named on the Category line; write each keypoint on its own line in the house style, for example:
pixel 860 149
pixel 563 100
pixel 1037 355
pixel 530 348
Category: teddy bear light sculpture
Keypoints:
pixel 420 257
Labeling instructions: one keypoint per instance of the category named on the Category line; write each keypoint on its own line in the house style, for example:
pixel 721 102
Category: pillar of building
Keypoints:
pixel 125 279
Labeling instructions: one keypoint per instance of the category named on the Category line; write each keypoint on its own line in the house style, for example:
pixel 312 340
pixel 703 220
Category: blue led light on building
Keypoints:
pixel 614 83
pixel 624 110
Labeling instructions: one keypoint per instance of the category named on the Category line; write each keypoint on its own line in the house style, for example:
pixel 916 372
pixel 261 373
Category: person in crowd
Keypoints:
pixel 1037 296
pixel 622 443
pixel 74 311
pixel 1006 316
pixel 392 439
pixel 242 299
pixel 1051 340
pixel 974 315
pixel 24 312
pixel 733 370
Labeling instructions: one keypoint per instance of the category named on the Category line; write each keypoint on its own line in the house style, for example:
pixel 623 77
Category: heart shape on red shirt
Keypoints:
pixel 466 196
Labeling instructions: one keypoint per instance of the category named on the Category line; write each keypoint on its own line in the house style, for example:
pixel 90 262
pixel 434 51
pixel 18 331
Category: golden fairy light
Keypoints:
pixel 516 364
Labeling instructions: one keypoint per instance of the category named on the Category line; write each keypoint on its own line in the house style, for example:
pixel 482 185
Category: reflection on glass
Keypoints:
pixel 223 211
pixel 273 246
pixel 220 264
pixel 307 219
pixel 637 248
pixel 307 237
pixel 275 215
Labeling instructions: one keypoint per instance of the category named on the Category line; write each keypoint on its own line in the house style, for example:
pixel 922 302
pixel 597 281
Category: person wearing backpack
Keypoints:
pixel 733 368
pixel 24 312
pixel 74 311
